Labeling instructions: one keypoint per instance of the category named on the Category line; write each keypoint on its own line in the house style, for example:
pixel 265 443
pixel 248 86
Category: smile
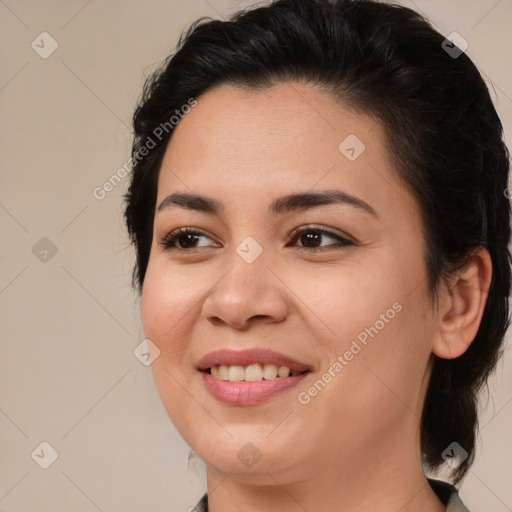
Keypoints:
pixel 252 373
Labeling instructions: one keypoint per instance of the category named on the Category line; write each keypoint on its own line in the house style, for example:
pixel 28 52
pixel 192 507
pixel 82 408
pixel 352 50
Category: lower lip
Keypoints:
pixel 248 393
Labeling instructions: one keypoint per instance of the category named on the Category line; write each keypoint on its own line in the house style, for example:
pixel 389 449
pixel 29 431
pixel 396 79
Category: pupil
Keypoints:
pixel 187 238
pixel 311 236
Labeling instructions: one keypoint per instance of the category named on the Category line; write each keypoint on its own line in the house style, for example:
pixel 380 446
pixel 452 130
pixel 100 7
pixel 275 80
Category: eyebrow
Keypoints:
pixel 280 206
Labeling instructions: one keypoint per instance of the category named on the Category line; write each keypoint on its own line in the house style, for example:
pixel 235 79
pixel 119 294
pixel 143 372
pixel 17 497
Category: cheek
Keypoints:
pixel 376 329
pixel 167 304
pixel 376 387
pixel 387 372
pixel 349 301
pixel 167 313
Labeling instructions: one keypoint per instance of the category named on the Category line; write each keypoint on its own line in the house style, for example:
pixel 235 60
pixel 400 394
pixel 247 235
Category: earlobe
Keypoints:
pixel 463 304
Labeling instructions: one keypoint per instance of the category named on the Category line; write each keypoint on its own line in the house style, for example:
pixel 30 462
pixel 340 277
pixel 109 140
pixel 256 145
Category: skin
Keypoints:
pixel 355 445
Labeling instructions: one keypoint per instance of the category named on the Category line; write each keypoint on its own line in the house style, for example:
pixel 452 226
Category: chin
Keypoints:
pixel 247 453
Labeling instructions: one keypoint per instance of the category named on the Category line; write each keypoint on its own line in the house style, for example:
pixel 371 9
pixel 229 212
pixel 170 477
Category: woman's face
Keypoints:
pixel 347 298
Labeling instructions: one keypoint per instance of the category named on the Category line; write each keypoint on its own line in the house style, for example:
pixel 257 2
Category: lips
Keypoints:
pixel 247 357
pixel 248 393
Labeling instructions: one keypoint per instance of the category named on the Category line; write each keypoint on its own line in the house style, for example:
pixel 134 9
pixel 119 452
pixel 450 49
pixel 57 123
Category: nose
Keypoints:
pixel 248 293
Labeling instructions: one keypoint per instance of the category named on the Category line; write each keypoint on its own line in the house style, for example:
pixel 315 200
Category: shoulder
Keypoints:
pixel 202 505
pixel 449 495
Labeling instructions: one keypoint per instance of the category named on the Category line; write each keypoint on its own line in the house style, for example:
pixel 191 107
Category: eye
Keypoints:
pixel 186 237
pixel 311 238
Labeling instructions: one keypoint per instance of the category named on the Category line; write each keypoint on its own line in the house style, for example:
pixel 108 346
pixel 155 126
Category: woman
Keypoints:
pixel 318 209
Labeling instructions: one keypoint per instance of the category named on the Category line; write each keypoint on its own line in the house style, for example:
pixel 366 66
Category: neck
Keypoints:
pixel 378 480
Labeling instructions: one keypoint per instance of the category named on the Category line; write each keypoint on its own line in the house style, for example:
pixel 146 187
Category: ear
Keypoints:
pixel 463 302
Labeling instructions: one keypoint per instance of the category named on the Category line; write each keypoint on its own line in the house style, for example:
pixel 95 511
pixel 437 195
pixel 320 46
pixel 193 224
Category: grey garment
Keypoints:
pixel 447 493
pixel 202 505
pixel 455 504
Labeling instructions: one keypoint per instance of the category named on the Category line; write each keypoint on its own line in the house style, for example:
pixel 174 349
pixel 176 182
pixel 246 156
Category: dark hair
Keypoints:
pixel 442 132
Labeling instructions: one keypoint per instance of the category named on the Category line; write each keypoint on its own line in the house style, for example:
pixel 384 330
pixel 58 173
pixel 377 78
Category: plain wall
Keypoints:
pixel 69 321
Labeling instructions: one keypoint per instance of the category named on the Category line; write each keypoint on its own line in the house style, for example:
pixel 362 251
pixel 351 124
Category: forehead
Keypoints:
pixel 261 143
pixel 284 123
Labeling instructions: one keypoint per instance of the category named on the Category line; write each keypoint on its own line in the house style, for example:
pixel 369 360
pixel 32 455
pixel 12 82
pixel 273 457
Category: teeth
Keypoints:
pixel 283 371
pixel 223 372
pixel 251 373
pixel 236 373
pixel 270 371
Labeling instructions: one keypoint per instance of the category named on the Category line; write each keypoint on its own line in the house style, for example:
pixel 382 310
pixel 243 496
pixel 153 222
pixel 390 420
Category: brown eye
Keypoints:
pixel 312 237
pixel 182 239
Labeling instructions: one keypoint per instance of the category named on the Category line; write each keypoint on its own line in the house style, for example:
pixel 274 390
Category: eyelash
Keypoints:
pixel 169 241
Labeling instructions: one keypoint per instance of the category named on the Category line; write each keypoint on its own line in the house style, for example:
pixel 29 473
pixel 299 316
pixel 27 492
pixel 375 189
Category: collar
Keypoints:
pixel 446 492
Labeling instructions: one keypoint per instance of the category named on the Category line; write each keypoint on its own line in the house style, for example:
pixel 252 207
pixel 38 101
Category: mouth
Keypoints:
pixel 254 372
pixel 250 376
pixel 252 364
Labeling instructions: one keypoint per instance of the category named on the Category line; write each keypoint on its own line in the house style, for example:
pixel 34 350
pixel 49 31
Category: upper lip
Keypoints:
pixel 249 356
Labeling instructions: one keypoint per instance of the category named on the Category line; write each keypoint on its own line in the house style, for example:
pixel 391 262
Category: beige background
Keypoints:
pixel 69 324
